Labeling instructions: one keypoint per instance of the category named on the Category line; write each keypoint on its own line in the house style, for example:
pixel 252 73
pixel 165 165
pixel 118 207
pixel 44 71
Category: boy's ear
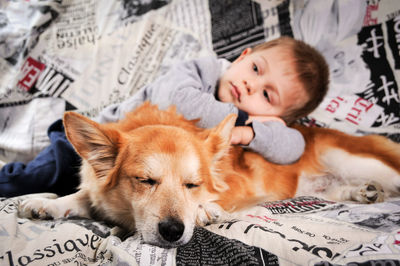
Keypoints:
pixel 247 51
pixel 98 145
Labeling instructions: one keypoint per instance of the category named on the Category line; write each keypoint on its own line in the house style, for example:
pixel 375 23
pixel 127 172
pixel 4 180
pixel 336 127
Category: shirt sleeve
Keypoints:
pixel 117 111
pixel 189 85
pixel 276 142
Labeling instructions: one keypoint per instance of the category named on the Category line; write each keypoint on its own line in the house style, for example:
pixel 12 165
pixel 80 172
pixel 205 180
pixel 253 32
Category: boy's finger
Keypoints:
pixel 235 139
pixel 242 135
pixel 265 119
pixel 237 135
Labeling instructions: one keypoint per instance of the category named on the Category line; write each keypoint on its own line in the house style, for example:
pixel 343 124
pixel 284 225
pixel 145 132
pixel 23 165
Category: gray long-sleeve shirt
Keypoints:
pixel 191 86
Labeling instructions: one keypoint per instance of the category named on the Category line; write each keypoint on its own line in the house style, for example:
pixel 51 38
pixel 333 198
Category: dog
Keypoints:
pixel 158 174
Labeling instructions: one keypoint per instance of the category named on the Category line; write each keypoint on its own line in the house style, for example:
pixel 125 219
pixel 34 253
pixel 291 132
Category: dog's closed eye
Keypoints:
pixel 147 181
pixel 191 185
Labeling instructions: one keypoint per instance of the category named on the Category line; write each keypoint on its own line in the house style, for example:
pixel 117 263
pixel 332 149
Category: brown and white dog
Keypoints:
pixel 158 174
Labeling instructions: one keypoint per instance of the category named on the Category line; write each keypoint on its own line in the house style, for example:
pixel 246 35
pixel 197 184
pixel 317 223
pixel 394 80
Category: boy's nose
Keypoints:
pixel 249 87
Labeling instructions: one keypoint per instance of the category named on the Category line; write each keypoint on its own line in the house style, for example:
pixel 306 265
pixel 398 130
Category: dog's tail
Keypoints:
pixel 356 158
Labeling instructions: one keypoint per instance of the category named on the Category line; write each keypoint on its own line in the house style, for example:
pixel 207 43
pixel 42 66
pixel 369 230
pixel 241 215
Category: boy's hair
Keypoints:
pixel 312 72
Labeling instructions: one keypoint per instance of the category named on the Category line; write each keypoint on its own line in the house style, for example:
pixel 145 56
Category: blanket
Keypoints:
pixel 299 231
pixel 58 55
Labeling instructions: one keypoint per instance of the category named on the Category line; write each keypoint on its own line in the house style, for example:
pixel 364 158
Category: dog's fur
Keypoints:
pixel 158 174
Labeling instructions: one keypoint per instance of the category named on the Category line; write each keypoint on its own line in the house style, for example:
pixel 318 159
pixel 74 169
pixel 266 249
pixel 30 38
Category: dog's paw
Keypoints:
pixel 209 213
pixel 370 192
pixel 42 208
pixel 120 232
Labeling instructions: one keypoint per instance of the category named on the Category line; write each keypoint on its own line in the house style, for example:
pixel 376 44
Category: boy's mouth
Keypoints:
pixel 235 92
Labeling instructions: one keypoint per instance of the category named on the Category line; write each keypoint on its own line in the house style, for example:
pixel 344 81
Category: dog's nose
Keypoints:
pixel 171 229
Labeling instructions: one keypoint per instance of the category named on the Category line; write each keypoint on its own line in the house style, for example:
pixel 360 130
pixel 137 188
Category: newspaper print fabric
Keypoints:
pixel 363 55
pixel 95 53
pixel 314 231
pixel 299 231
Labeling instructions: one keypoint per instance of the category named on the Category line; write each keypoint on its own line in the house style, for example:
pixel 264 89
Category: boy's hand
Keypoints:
pixel 242 135
pixel 261 118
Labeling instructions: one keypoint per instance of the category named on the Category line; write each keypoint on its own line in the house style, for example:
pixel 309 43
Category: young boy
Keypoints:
pixel 281 80
pixel 268 85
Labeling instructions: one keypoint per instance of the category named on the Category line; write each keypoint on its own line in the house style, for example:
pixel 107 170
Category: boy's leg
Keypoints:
pixel 55 169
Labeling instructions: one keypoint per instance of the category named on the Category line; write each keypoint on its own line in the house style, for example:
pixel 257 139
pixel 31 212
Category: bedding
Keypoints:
pixel 85 54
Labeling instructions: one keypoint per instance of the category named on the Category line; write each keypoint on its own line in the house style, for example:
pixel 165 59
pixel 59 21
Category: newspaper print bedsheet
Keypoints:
pixel 299 231
pixel 85 54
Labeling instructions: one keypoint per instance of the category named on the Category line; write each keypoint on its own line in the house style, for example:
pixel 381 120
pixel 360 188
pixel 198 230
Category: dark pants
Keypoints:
pixel 55 169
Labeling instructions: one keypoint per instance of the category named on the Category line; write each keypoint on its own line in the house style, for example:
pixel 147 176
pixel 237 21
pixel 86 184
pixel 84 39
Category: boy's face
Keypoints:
pixel 262 83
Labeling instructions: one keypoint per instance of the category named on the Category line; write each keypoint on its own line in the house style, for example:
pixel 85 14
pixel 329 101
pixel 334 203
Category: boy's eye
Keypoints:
pixel 255 68
pixel 266 96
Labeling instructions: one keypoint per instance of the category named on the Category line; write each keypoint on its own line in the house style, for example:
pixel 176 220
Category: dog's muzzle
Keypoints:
pixel 171 229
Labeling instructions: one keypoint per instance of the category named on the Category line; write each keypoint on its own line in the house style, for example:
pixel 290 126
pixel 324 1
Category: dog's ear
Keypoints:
pixel 219 142
pixel 96 144
pixel 219 138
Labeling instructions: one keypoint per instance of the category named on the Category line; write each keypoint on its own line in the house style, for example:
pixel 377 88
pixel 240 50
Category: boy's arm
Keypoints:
pixel 276 142
pixel 193 104
pixel 189 85
pixel 194 93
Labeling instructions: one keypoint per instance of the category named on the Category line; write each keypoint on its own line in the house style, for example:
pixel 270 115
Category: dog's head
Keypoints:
pixel 152 178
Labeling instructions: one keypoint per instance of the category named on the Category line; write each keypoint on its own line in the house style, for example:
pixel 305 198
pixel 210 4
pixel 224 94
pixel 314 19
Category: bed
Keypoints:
pixel 85 54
